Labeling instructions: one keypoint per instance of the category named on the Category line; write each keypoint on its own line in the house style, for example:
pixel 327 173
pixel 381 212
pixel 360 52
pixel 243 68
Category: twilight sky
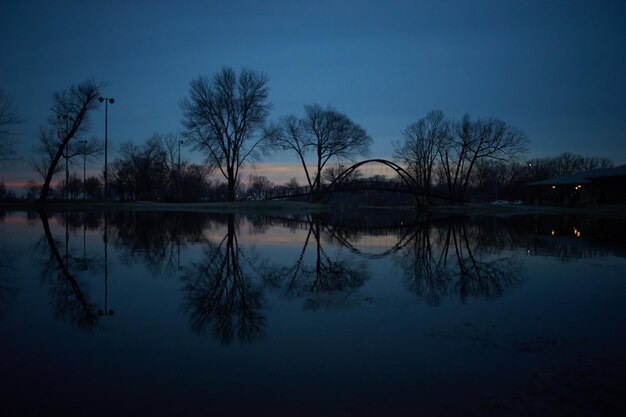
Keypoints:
pixel 556 69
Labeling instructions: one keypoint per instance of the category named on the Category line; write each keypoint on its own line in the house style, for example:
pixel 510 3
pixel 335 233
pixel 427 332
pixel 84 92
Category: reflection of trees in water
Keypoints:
pixel 327 281
pixel 449 258
pixel 220 296
pixel 223 293
pixel 8 288
pixel 155 238
pixel 79 220
pixel 69 298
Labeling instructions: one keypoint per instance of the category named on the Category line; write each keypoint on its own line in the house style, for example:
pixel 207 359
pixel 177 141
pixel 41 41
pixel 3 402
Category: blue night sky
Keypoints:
pixel 555 69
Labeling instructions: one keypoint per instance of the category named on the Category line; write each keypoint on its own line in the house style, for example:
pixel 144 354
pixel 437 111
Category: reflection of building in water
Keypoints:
pixel 597 186
pixel 575 237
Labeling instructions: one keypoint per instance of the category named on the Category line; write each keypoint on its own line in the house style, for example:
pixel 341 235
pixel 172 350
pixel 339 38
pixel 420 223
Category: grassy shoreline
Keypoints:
pixel 295 207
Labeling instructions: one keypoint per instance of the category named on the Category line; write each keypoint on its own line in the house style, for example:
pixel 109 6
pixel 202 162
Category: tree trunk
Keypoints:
pixel 51 168
pixel 231 190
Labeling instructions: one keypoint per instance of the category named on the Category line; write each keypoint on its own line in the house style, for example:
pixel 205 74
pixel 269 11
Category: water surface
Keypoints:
pixel 352 313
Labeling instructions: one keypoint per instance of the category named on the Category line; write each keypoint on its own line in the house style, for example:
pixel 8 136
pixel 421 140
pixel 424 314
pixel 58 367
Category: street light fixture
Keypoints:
pixel 106 100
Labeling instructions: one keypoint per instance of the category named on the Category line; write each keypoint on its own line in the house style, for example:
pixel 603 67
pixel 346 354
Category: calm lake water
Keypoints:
pixel 351 314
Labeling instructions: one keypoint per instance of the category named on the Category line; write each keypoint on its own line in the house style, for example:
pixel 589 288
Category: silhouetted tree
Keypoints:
pixel 590 163
pixel 567 163
pixel 564 164
pixel 292 183
pixel 194 184
pixel 332 172
pixel 472 141
pixel 6 194
pixel 225 117
pixel 145 169
pixel 492 180
pixel 32 190
pixel 9 119
pixel 327 134
pixel 423 141
pixel 93 187
pixel 70 300
pixel 150 171
pixel 71 109
pixel 74 185
pixel 258 187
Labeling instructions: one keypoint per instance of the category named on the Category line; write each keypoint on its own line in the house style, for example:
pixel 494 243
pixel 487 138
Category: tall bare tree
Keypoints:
pixel 420 149
pixel 327 134
pixel 71 109
pixel 9 119
pixel 471 141
pixel 225 118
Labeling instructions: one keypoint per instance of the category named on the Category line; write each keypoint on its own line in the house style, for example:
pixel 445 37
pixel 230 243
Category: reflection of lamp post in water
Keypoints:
pixel 67 243
pixel 84 241
pixel 106 311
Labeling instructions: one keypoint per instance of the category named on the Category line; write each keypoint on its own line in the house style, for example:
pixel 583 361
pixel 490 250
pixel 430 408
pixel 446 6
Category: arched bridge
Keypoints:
pixel 347 181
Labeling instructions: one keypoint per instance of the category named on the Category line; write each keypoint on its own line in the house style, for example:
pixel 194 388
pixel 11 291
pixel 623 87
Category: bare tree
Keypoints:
pixel 47 146
pixel 332 172
pixel 590 163
pixel 9 119
pixel 45 150
pixel 568 163
pixel 225 118
pixel 326 133
pixel 71 109
pixel 564 164
pixel 472 141
pixel 258 187
pixel 421 146
pixel 540 168
pixel 292 183
pixel 291 135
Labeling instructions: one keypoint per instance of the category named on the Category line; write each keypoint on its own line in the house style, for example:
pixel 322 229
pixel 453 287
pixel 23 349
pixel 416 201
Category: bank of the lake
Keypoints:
pixel 300 207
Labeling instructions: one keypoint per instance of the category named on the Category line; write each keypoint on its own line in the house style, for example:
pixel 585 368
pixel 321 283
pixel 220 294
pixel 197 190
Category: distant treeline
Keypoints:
pixel 225 118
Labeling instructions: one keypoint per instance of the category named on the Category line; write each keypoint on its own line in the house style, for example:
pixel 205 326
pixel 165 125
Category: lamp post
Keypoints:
pixel 84 149
pixel 178 173
pixel 106 142
pixel 65 117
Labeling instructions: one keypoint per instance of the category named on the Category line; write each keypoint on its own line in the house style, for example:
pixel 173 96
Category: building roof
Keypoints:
pixel 585 177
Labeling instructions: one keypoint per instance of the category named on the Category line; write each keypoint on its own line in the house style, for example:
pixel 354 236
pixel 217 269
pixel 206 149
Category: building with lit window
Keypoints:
pixel 597 186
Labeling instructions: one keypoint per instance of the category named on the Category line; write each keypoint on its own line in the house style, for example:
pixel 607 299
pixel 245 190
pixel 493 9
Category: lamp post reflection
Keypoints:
pixel 105 311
